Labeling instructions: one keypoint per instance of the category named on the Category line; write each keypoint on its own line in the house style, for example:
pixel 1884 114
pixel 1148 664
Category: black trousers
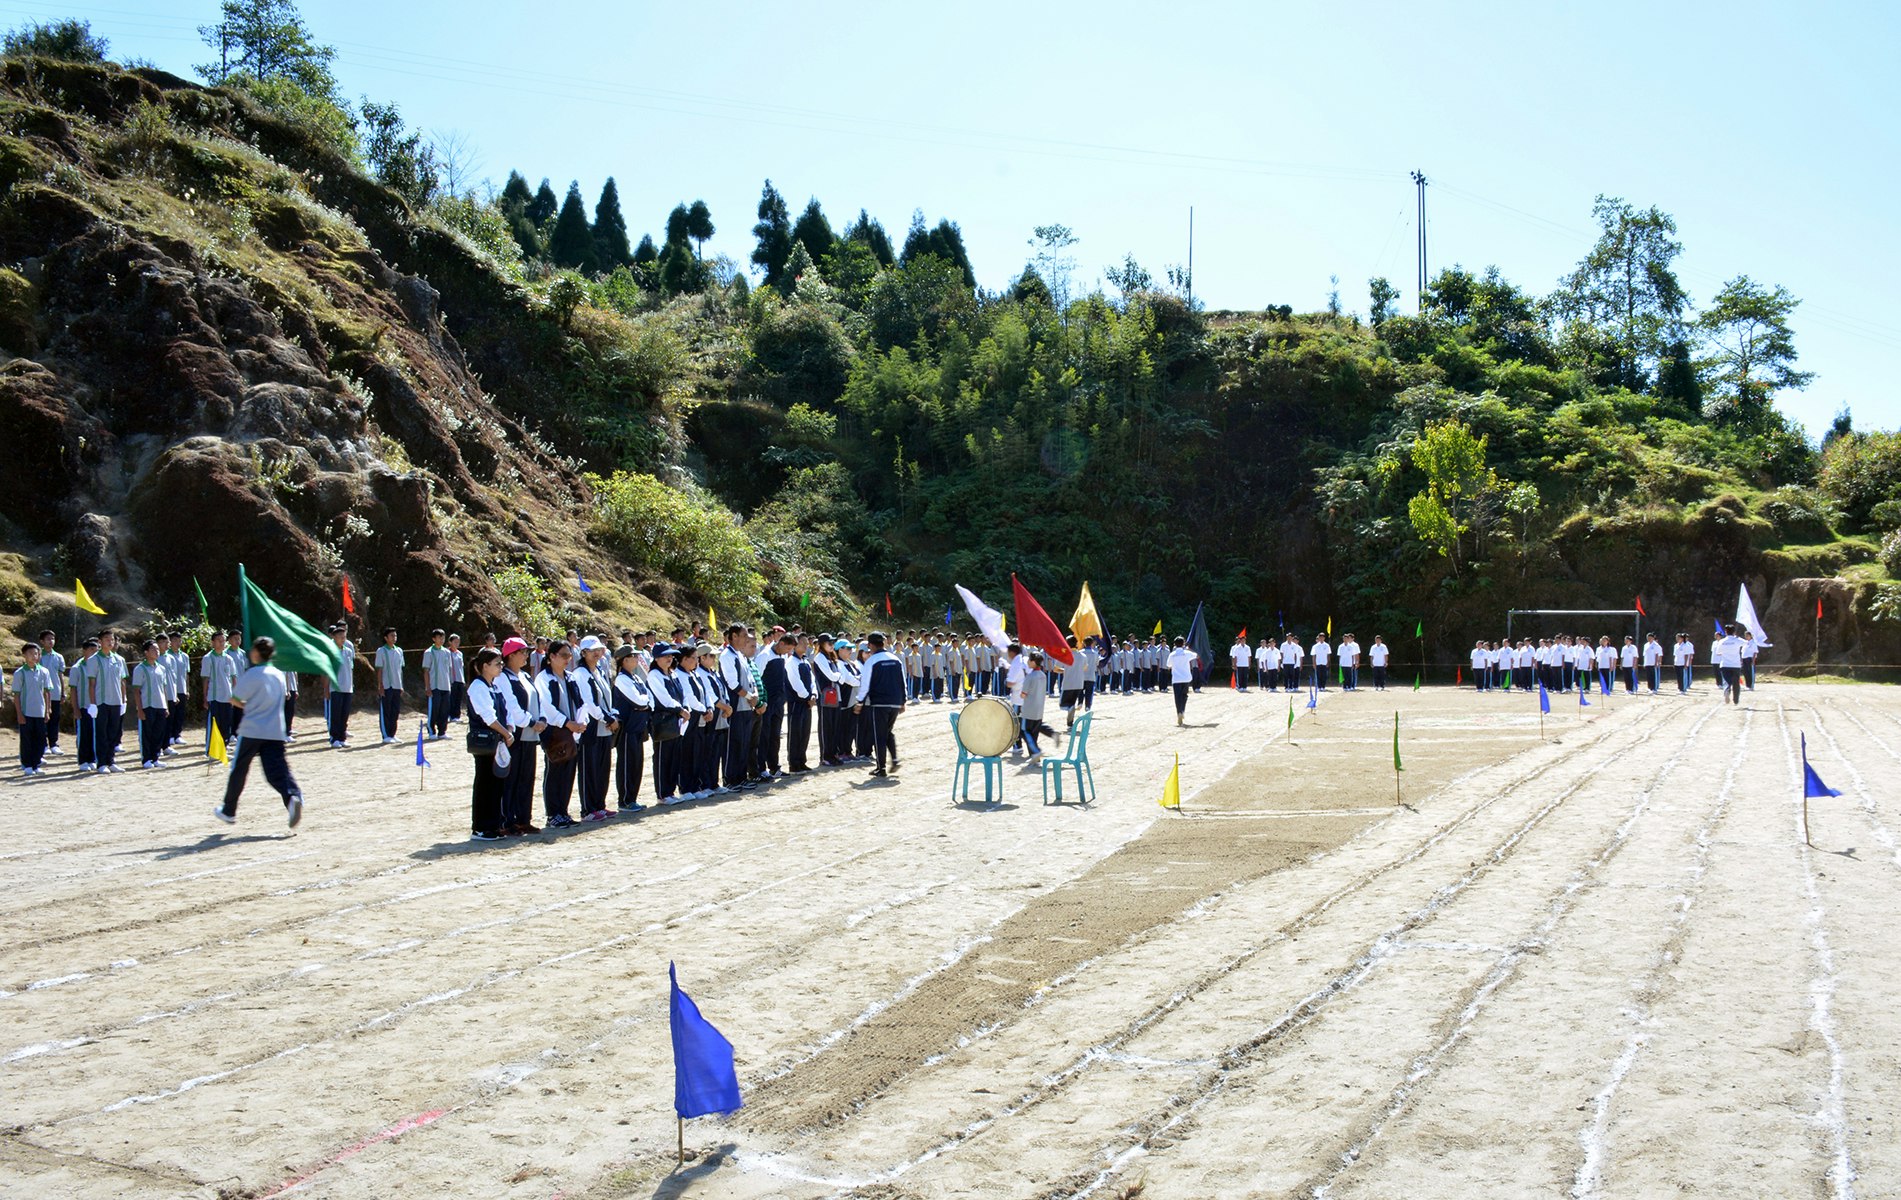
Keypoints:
pixel 175 720
pixel 666 767
pixel 456 693
pixel 827 733
pixel 290 711
pixel 1379 679
pixel 518 791
pixel 770 727
pixel 629 763
pixel 593 770
pixel 83 733
pixel 337 709
pixel 107 729
pixel 1749 673
pixel 151 734
pixel 1290 677
pixel 276 772
pixel 1181 699
pixel 392 702
pixel 219 713
pixel 438 713
pixel 738 765
pixel 32 742
pixel 884 735
pixel 865 726
pixel 54 710
pixel 1732 678
pixel 486 795
pixel 798 735
pixel 557 785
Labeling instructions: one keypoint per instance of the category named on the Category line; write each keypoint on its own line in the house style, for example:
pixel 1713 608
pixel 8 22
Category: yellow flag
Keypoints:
pixel 1172 790
pixel 712 622
pixel 1086 623
pixel 1158 629
pixel 1329 626
pixel 84 601
pixel 214 749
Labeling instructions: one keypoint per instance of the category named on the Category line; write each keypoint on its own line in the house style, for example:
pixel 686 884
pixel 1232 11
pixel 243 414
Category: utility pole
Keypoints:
pixel 1420 179
pixel 1191 258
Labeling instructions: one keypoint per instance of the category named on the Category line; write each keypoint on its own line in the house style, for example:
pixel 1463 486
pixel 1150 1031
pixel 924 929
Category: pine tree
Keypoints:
pixel 515 196
pixel 946 241
pixel 774 232
pixel 872 235
pixel 680 271
pixel 646 252
pixel 917 240
pixel 542 208
pixel 610 230
pixel 678 226
pixel 699 226
pixel 814 232
pixel 572 242
pixel 797 265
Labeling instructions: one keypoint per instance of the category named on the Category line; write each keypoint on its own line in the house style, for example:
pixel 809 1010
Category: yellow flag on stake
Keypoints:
pixel 84 601
pixel 214 749
pixel 1158 629
pixel 1086 623
pixel 1172 790
pixel 712 622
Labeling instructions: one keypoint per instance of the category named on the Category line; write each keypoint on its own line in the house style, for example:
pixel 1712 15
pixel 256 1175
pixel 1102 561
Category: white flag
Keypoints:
pixel 1746 615
pixel 988 619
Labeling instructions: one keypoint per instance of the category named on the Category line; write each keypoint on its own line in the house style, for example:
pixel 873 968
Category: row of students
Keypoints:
pixel 1565 661
pixel 719 720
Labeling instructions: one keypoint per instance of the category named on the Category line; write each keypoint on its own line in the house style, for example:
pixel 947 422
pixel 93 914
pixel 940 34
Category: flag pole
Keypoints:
pixel 680 1123
pixel 1806 840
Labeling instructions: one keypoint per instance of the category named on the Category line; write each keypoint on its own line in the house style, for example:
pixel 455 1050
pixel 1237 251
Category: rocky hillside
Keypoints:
pixel 223 344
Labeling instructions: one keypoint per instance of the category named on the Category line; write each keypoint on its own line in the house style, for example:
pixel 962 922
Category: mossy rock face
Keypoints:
pixel 19 314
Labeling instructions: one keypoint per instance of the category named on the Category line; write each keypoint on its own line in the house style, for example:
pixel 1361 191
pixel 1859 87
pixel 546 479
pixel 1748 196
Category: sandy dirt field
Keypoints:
pixel 1603 964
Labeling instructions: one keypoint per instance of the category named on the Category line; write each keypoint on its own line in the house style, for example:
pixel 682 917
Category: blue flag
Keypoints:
pixel 1583 688
pixel 421 761
pixel 1313 697
pixel 1544 698
pixel 1604 682
pixel 1812 785
pixel 1719 629
pixel 704 1079
pixel 585 589
pixel 947 614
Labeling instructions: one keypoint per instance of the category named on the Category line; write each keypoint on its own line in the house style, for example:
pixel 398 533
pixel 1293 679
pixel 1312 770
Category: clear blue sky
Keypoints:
pixel 1767 131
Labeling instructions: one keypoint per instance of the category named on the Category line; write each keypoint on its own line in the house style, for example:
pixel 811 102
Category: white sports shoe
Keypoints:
pixel 227 818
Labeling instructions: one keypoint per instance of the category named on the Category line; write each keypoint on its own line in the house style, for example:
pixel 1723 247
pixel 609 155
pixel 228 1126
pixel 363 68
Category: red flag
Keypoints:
pixel 349 605
pixel 1639 602
pixel 1818 608
pixel 887 604
pixel 1243 635
pixel 1034 627
pixel 1458 679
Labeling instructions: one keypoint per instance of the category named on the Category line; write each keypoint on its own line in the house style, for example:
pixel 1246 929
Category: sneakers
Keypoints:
pixel 482 835
pixel 115 769
pixel 596 815
pixel 877 773
pixel 294 811
pixel 671 800
pixel 224 816
pixel 171 750
pixel 722 791
pixel 560 821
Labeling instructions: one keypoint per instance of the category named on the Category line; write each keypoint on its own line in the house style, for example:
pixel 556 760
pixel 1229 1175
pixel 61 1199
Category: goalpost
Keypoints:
pixel 1636 617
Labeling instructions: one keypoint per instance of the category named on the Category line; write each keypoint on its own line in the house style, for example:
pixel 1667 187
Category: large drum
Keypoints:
pixel 986 728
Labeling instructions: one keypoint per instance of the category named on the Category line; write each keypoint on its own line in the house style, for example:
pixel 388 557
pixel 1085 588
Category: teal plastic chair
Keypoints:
pixel 1074 758
pixel 960 774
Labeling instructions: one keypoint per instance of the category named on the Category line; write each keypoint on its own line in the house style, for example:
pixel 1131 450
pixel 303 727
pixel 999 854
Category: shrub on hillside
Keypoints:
pixel 680 535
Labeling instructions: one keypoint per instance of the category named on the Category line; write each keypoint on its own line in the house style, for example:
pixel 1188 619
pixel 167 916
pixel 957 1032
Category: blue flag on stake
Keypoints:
pixel 585 589
pixel 947 614
pixel 704 1079
pixel 1812 785
pixel 1604 682
pixel 421 759
pixel 1544 698
pixel 1719 628
pixel 1582 689
pixel 1313 697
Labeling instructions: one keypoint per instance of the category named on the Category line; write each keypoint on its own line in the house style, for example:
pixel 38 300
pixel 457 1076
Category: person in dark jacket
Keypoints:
pixel 883 694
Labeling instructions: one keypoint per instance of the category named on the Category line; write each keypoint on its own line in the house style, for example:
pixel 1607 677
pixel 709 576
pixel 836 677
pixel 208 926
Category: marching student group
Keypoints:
pixel 572 718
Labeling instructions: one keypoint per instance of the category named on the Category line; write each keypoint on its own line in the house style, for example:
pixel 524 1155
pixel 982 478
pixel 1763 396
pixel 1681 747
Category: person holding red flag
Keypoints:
pixel 1034 627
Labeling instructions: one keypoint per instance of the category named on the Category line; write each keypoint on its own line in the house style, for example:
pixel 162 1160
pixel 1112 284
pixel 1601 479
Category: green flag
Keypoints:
pixel 1396 765
pixel 203 606
pixel 1290 711
pixel 805 601
pixel 301 647
pixel 1419 630
pixel 1417 681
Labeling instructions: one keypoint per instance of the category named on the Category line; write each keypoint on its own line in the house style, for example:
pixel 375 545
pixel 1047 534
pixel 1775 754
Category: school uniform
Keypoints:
pixel 668 689
pixel 33 697
pixel 261 690
pixel 491 704
pixel 1653 664
pixel 79 677
pixel 1749 662
pixel 220 677
pixel 633 708
pixel 1238 655
pixel 560 703
pixel 1727 654
pixel 884 699
pixel 108 727
pixel 336 703
pixel 778 697
pixel 54 664
pixel 438 679
pixel 1290 664
pixel 458 684
pixel 594 763
pixel 1376 656
pixel 693 743
pixel 1683 657
pixel 1481 660
pixel 1322 655
pixel 518 789
pixel 1181 673
pixel 290 702
pixel 736 673
pixel 1350 664
pixel 826 678
pixel 798 725
pixel 152 684
pixel 1627 666
pixel 389 685
pixel 1265 661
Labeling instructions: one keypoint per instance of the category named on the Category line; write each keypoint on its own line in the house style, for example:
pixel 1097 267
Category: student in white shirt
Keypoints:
pixel 1727 654
pixel 1350 662
pixel 1290 663
pixel 1238 654
pixel 1606 663
pixel 1181 672
pixel 1481 665
pixel 1376 656
pixel 1266 662
pixel 1749 661
pixel 1684 658
pixel 1653 662
pixel 1322 655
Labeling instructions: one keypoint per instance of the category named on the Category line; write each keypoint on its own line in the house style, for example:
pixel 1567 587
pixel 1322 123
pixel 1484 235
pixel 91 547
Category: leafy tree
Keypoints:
pixel 814 232
pixel 610 230
pixel 1748 327
pixel 1623 303
pixel 872 236
pixel 679 226
pixel 797 265
pixel 699 226
pixel 774 232
pixel 680 269
pixel 1052 259
pixel 1861 472
pixel 1029 288
pixel 1452 458
pixel 571 244
pixel 1130 279
pixel 946 241
pixel 69 41
pixel 1679 382
pixel 401 160
pixel 1383 300
pixel 849 269
pixel 267 39
pixel 543 207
